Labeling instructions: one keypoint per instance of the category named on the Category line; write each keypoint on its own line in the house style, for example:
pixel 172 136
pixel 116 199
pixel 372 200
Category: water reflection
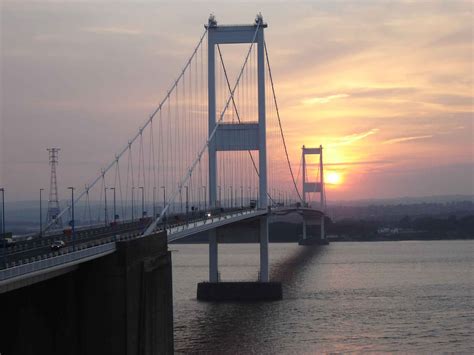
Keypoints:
pixel 231 327
pixel 381 297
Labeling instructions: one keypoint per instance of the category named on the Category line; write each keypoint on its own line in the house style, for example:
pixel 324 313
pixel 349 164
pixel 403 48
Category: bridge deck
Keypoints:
pixel 195 227
pixel 98 242
pixel 37 268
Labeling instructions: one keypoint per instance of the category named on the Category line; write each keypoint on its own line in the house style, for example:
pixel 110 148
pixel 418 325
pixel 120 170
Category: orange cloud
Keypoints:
pixel 406 139
pixel 323 100
pixel 355 137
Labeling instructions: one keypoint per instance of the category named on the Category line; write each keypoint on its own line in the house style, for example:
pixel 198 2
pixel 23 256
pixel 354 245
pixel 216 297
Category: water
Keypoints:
pixel 380 296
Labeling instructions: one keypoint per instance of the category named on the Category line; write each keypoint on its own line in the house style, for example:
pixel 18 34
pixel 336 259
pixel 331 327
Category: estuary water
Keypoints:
pixel 354 296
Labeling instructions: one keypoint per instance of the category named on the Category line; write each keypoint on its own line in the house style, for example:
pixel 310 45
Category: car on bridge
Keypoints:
pixel 7 242
pixel 58 244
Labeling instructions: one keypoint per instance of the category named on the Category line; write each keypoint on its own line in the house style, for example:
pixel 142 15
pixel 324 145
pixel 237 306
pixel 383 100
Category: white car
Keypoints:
pixel 58 244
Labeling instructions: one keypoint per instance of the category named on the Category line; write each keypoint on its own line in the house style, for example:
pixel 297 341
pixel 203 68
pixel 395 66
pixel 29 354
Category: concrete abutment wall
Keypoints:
pixel 119 304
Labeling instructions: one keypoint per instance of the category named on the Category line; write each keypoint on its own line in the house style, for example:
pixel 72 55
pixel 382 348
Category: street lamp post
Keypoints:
pixel 205 198
pixel 106 214
pixel 2 230
pixel 199 200
pixel 187 203
pixel 133 209
pixel 231 196
pixel 236 196
pixel 143 200
pixel 73 223
pixel 115 205
pixel 164 206
pixel 164 196
pixel 3 210
pixel 154 201
pixel 241 196
pixel 41 213
pixel 220 200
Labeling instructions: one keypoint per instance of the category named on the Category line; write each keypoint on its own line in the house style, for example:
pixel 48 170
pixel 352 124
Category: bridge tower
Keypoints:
pixel 314 187
pixel 238 136
pixel 53 201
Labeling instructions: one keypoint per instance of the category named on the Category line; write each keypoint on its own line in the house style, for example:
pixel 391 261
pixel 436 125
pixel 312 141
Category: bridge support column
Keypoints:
pixel 312 238
pixel 304 229
pixel 264 250
pixel 213 261
pixel 243 291
pixel 227 139
pixel 323 234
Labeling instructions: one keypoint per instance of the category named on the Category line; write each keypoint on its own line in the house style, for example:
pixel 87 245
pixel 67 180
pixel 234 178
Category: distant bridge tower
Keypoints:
pixel 53 202
pixel 240 136
pixel 314 187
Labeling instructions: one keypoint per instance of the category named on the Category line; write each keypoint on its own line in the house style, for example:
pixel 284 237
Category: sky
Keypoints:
pixel 385 86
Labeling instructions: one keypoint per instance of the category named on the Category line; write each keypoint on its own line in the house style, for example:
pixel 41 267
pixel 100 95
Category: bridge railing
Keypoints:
pixel 44 260
pixel 71 257
pixel 107 244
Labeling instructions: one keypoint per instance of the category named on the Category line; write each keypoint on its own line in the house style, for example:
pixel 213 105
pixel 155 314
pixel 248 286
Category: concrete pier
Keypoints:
pixel 118 304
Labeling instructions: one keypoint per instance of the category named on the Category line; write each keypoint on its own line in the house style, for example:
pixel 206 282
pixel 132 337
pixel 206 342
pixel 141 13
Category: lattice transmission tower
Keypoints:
pixel 53 202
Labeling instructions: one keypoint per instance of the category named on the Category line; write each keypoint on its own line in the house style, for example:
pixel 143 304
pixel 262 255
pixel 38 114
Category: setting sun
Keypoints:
pixel 333 178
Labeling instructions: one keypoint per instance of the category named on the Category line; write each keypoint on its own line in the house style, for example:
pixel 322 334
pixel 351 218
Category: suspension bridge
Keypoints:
pixel 211 156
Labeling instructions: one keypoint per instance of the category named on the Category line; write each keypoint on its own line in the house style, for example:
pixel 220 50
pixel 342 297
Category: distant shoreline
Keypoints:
pixel 331 240
pixel 399 240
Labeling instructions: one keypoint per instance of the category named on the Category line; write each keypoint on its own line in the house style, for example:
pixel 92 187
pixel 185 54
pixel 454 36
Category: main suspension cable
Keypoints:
pixel 238 116
pixel 152 226
pixel 279 123
pixel 147 122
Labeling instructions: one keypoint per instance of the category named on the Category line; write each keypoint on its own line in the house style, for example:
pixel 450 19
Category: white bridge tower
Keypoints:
pixel 314 187
pixel 238 136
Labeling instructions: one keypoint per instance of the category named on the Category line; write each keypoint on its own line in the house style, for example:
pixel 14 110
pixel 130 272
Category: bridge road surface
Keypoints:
pixel 39 246
pixel 28 250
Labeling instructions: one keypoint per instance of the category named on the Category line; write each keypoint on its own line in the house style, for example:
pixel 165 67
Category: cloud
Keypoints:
pixel 368 92
pixel 323 100
pixel 347 165
pixel 451 100
pixel 367 162
pixel 460 37
pixel 406 139
pixel 383 92
pixel 363 93
pixel 355 137
pixel 44 37
pixel 113 30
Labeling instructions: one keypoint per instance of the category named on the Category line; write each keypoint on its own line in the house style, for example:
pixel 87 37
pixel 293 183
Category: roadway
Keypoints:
pixel 178 225
pixel 41 246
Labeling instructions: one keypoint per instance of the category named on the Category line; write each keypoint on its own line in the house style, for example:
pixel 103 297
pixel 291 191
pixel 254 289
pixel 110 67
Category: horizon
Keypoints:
pixel 404 199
